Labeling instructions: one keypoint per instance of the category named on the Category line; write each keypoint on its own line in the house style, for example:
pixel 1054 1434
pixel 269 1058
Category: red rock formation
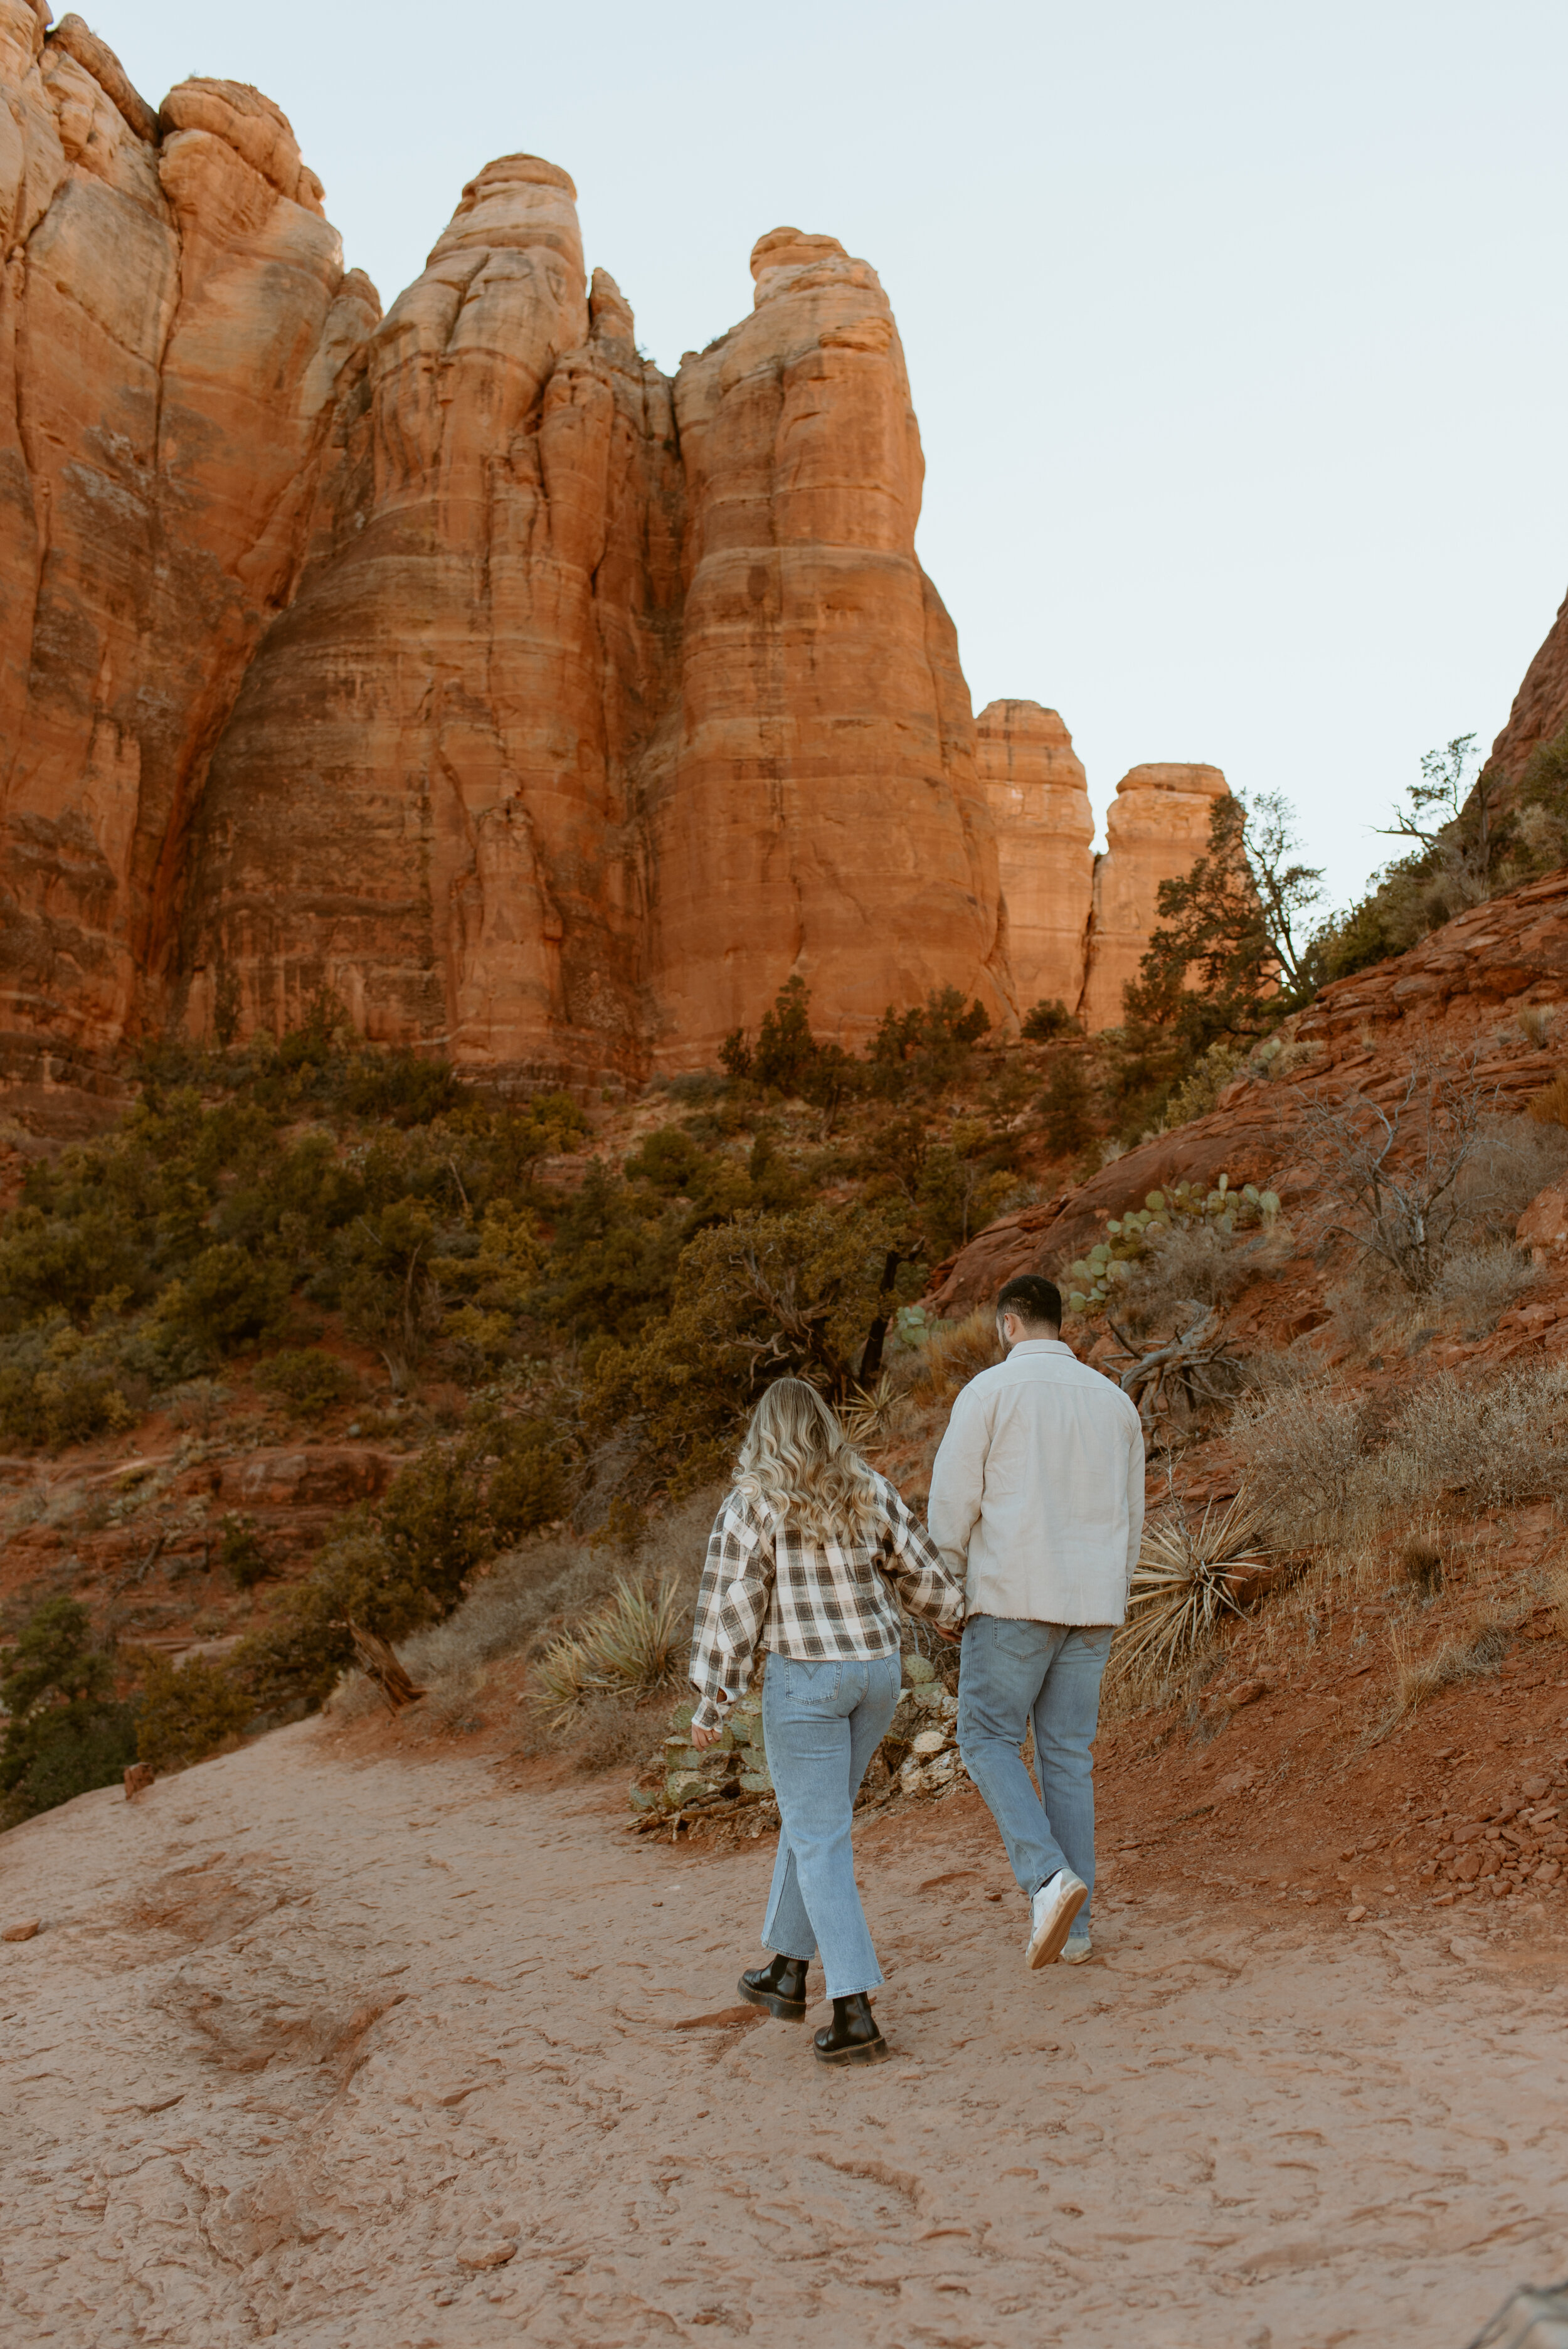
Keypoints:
pixel 1539 709
pixel 1157 827
pixel 430 797
pixel 173 317
pixel 1035 783
pixel 548 712
pixel 822 815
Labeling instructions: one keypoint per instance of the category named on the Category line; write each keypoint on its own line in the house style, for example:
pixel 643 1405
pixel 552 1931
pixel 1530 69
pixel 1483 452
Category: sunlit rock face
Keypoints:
pixel 174 322
pixel 1156 827
pixel 546 710
pixel 1039 797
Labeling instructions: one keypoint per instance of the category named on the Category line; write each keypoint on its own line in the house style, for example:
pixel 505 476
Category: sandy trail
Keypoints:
pixel 306 2042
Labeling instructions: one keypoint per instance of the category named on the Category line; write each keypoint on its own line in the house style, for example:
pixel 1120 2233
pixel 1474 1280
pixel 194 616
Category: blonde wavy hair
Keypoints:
pixel 797 1462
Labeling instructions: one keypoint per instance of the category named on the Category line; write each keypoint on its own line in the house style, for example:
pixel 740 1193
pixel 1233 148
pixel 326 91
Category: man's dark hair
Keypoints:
pixel 1033 1299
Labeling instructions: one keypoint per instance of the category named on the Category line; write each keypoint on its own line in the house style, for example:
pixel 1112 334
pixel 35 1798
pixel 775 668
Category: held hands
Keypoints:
pixel 702 1738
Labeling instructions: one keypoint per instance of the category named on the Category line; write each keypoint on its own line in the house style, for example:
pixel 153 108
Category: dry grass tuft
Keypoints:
pixel 1181 1593
pixel 1465 1656
pixel 954 1352
pixel 633 1646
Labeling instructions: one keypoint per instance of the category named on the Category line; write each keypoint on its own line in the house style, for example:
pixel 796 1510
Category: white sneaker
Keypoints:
pixel 1075 1949
pixel 1052 1911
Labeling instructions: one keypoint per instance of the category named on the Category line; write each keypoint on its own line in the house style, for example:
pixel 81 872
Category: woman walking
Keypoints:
pixel 808 1559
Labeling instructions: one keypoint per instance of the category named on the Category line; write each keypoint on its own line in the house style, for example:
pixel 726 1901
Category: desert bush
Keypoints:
pixel 187 1711
pixel 1502 1441
pixel 1186 1265
pixel 229 1297
pixel 954 1353
pixel 240 1555
pixel 1514 1159
pixel 200 1403
pixel 1550 1106
pixel 1481 1282
pixel 58 1387
pixel 1067 1106
pixel 1389 1175
pixel 761 1294
pixel 403 1087
pixel 1046 1022
pixel 308 1381
pixel 1467 1655
pixel 1303 1441
pixel 66 1733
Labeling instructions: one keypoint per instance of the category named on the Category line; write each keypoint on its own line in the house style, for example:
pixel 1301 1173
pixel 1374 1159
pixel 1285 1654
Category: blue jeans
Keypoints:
pixel 822 1724
pixel 1015 1672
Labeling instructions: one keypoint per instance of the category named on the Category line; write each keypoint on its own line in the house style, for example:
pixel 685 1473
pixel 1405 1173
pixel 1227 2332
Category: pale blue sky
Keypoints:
pixel 1236 331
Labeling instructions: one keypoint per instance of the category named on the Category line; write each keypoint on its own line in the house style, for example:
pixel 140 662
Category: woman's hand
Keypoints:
pixel 702 1738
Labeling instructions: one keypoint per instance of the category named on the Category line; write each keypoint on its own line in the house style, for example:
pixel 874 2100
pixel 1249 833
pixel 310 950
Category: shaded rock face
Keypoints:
pixel 1157 825
pixel 1038 793
pixel 174 317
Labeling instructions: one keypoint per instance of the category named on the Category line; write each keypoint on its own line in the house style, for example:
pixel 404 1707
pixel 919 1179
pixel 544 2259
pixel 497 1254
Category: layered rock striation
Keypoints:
pixel 548 711
pixel 174 320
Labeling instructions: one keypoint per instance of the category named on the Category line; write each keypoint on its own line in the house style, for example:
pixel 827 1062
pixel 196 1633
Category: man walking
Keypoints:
pixel 1037 1501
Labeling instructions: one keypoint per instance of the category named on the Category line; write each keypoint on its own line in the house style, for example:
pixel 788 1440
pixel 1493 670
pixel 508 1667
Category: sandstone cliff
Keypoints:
pixel 1038 795
pixel 174 315
pixel 550 711
pixel 1157 827
pixel 428 798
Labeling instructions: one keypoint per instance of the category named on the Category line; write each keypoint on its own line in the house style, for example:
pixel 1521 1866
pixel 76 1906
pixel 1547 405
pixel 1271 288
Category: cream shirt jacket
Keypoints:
pixel 1036 1496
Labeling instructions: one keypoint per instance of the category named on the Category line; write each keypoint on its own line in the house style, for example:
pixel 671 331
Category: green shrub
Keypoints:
pixel 187 1711
pixel 1066 1107
pixel 240 1555
pixel 403 1086
pixel 57 1387
pixel 1046 1022
pixel 229 1297
pixel 66 1733
pixel 308 1381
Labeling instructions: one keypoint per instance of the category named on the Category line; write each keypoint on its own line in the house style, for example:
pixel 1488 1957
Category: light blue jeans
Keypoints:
pixel 822 1724
pixel 1015 1672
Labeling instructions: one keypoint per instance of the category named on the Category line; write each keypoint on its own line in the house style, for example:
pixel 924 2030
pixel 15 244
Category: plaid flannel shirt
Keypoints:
pixel 765 1585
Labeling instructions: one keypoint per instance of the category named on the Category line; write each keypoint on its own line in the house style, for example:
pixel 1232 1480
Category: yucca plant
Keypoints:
pixel 870 1413
pixel 633 1646
pixel 1180 1587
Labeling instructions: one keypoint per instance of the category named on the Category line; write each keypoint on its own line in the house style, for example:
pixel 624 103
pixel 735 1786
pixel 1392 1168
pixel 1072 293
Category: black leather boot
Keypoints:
pixel 852 2036
pixel 780 1987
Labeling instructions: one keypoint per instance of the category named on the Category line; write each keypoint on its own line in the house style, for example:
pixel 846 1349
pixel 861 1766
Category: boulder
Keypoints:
pixel 1542 1226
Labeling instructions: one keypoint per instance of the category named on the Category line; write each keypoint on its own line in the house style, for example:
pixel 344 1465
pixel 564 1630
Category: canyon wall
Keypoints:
pixel 550 711
pixel 174 317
